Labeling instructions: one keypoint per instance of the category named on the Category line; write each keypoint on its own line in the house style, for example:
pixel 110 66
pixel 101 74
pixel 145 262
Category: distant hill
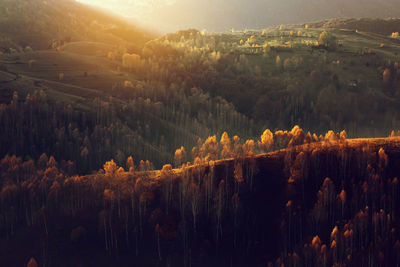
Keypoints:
pixel 379 26
pixel 43 24
pixel 221 15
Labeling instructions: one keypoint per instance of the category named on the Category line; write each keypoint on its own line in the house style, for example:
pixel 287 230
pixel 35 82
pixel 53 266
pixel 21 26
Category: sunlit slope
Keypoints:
pixel 285 76
pixel 43 24
pixel 276 159
pixel 82 79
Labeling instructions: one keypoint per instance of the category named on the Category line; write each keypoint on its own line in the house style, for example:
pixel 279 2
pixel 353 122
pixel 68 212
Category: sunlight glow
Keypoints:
pixel 137 9
pixel 144 12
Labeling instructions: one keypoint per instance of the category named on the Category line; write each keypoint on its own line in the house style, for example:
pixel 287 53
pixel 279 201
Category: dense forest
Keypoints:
pixel 105 129
pixel 328 202
pixel 121 147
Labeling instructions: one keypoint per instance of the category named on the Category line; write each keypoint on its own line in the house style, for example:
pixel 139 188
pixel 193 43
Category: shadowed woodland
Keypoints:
pixel 323 202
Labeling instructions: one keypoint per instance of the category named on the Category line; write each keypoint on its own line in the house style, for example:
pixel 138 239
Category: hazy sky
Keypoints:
pixel 222 15
pixel 143 11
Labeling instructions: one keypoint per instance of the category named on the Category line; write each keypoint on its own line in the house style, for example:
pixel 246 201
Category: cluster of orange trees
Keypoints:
pixel 150 124
pixel 211 149
pixel 248 208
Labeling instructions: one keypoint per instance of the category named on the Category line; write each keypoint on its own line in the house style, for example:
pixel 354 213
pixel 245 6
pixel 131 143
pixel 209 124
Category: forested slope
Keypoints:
pixel 190 85
pixel 332 202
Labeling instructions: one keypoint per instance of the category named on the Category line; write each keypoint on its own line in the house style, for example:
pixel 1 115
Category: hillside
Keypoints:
pixel 45 24
pixel 112 103
pixel 383 27
pixel 288 75
pixel 119 147
pixel 269 209
pixel 76 77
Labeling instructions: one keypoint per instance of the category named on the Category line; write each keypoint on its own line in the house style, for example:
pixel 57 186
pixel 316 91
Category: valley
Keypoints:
pixel 120 146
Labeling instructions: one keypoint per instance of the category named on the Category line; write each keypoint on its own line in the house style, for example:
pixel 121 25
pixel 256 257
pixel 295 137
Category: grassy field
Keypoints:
pixel 73 72
pixel 347 60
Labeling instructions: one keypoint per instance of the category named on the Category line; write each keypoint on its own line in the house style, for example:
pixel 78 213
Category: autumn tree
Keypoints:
pixel 282 138
pixel 226 146
pixel 324 208
pixel 267 140
pixel 383 158
pixel 180 156
pixel 328 40
pixel 110 167
pixel 130 166
pixel 388 78
pixel 251 40
pixel 142 166
pixel 32 263
pixel 209 149
pixel 343 135
pixel 249 148
pixel 297 136
pixel 331 136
